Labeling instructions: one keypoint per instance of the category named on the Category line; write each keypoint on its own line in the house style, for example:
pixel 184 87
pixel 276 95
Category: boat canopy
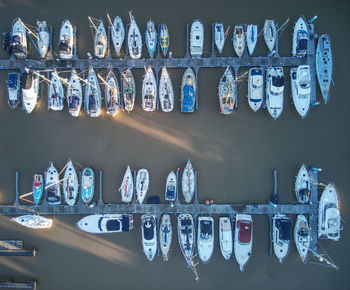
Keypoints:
pixel 206 229
pixel 27 80
pixel 188 100
pixel 64 46
pixel 113 225
pixel 186 226
pixel 278 81
pixel 245 231
pixel 16 44
pixel 12 81
pixel 125 223
pixel 256 72
pixel 170 192
pixel 148 229
pixel 74 103
pixel 285 229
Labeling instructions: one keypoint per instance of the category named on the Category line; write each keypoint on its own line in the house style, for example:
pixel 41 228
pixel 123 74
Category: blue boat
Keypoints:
pixel 151 37
pixel 38 188
pixel 87 185
pixel 188 91
pixel 13 86
pixel 164 38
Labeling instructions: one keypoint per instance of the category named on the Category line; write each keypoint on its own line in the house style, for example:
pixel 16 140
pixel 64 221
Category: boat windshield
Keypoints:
pixel 148 229
pixel 206 229
pixel 113 225
pixel 284 227
pixel 245 231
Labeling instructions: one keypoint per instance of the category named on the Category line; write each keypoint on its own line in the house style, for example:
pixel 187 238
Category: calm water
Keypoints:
pixel 235 155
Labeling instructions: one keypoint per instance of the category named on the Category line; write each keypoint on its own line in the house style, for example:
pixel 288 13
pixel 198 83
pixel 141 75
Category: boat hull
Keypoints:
pixel 188 182
pixel 205 239
pixel 227 92
pixel 225 237
pixel 33 221
pixel 70 184
pixel 149 235
pixel 129 90
pixel 142 184
pixel 166 92
pixel 106 223
pixel 165 235
pixel 302 237
pixel 127 187
pixel 243 239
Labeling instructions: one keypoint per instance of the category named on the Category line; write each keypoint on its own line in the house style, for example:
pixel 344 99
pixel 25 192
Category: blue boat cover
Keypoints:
pixel 13 79
pixel 170 193
pixel 278 81
pixel 256 72
pixel 285 229
pixel 113 225
pixel 74 103
pixel 148 229
pixel 125 223
pixel 188 99
pixel 206 228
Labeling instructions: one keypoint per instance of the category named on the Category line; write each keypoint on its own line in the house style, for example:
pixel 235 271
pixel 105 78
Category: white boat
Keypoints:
pixel 87 185
pixel 134 39
pixel 302 237
pixel 301 89
pixel 74 95
pixel 118 34
pixel 43 39
pixel 274 91
pixel 197 38
pixel 171 187
pixel 324 65
pixel 205 239
pixel 106 223
pixel 70 184
pixel 151 37
pixel 100 41
pixel 112 93
pixel 33 221
pixel 328 214
pixel 52 185
pixel 219 35
pixel 165 235
pixel 270 34
pixel 55 100
pixel 129 89
pixel 302 185
pixel 18 41
pixel 185 234
pixel 243 239
pixel 300 38
pixel 282 228
pixel 239 40
pixel 30 90
pixel 188 182
pixel 149 235
pixel 166 92
pixel 149 91
pixel 225 237
pixel 227 92
pixel 93 95
pixel 252 38
pixel 127 187
pixel 66 42
pixel 13 89
pixel 255 88
pixel 188 91
pixel 142 184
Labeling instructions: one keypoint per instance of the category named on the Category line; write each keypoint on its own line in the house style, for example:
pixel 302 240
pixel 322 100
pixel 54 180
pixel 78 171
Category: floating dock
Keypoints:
pixel 14 248
pixel 18 285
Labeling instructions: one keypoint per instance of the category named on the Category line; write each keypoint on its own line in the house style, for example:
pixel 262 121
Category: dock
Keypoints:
pixel 18 285
pixel 15 248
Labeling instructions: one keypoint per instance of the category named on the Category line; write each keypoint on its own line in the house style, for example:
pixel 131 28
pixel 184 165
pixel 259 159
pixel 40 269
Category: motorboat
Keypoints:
pixel 93 95
pixel 302 185
pixel 149 235
pixel 324 65
pixel 196 39
pixel 219 36
pixel 100 41
pixel 74 94
pixel 66 42
pixel 301 89
pixel 227 92
pixel 255 88
pixel 282 232
pixel 300 38
pixel 149 91
pixel 70 184
pixel 18 40
pixel 166 92
pixel 274 91
pixel 134 39
pixel 38 188
pixel 185 234
pixel 129 89
pixel 239 40
pixel 270 34
pixel 142 184
pixel 33 221
pixel 87 185
pixel 328 214
pixel 112 93
pixel 225 237
pixel 205 239
pixel 43 39
pixel 151 37
pixel 252 37
pixel 118 34
pixel 171 187
pixel 164 40
pixel 188 91
pixel 165 235
pixel 52 185
pixel 302 237
pixel 55 100
pixel 188 182
pixel 30 90
pixel 243 239
pixel 127 187
pixel 13 89
pixel 106 223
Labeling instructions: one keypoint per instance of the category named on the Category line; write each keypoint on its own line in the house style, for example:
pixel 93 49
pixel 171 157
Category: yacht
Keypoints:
pixel 100 41
pixel 52 185
pixel 197 39
pixel 66 42
pixel 225 237
pixel 93 95
pixel 151 37
pixel 302 237
pixel 134 39
pixel 56 93
pixel 243 239
pixel 166 92
pixel 43 39
pixel 188 91
pixel 205 239
pixel 219 35
pixel 252 38
pixel 142 184
pixel 127 187
pixel 165 235
pixel 129 89
pixel 185 234
pixel 274 91
pixel 302 185
pixel 118 34
pixel 149 235
pixel 188 182
pixel 112 93
pixel 300 38
pixel 70 184
pixel 255 88
pixel 13 89
pixel 38 188
pixel 239 40
pixel 301 89
pixel 30 90
pixel 227 92
pixel 324 65
pixel 149 91
pixel 164 39
pixel 282 231
pixel 270 34
pixel 33 221
pixel 74 94
pixel 171 187
pixel 18 40
pixel 87 185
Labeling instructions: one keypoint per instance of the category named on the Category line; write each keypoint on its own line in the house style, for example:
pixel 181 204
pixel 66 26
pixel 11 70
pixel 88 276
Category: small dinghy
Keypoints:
pixel 185 234
pixel 274 91
pixel 142 184
pixel 302 185
pixel 43 38
pixel 149 235
pixel 324 64
pixel 52 185
pixel 100 41
pixel 151 37
pixel 219 35
pixel 87 185
pixel 300 38
pixel 112 93
pixel 188 91
pixel 243 239
pixel 227 92
pixel 106 223
pixel 92 95
pixel 205 239
pixel 129 90
pixel 166 92
pixel 13 89
pixel 225 237
pixel 164 39
pixel 127 187
pixel 134 39
pixel 74 95
pixel 149 91
pixel 282 232
pixel 188 182
pixel 66 42
pixel 56 93
pixel 252 38
pixel 118 34
pixel 165 235
pixel 30 90
pixel 70 184
pixel 18 40
pixel 38 188
pixel 255 88
pixel 301 89
pixel 33 221
pixel 302 237
pixel 239 40
pixel 196 39
pixel 270 34
pixel 171 187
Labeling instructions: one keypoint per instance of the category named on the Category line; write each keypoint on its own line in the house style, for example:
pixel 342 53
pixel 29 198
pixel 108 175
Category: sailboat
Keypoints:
pixel 225 237
pixel 93 95
pixel 66 41
pixel 188 182
pixel 166 92
pixel 282 231
pixel 112 93
pixel 302 185
pixel 197 38
pixel 164 38
pixel 219 35
pixel 185 234
pixel 74 94
pixel 300 38
pixel 33 221
pixel 129 89
pixel 270 34
pixel 127 187
pixel 100 41
pixel 274 91
pixel 13 89
pixel 149 235
pixel 243 239
pixel 43 38
pixel 106 223
pixel 324 65
pixel 165 235
pixel 151 37
pixel 302 237
pixel 87 185
pixel 171 187
pixel 38 188
pixel 56 93
pixel 239 40
pixel 134 39
pixel 30 90
pixel 149 91
pixel 255 88
pixel 142 184
pixel 252 38
pixel 52 185
pixel 70 184
pixel 188 91
pixel 118 34
pixel 205 239
pixel 18 40
pixel 227 92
